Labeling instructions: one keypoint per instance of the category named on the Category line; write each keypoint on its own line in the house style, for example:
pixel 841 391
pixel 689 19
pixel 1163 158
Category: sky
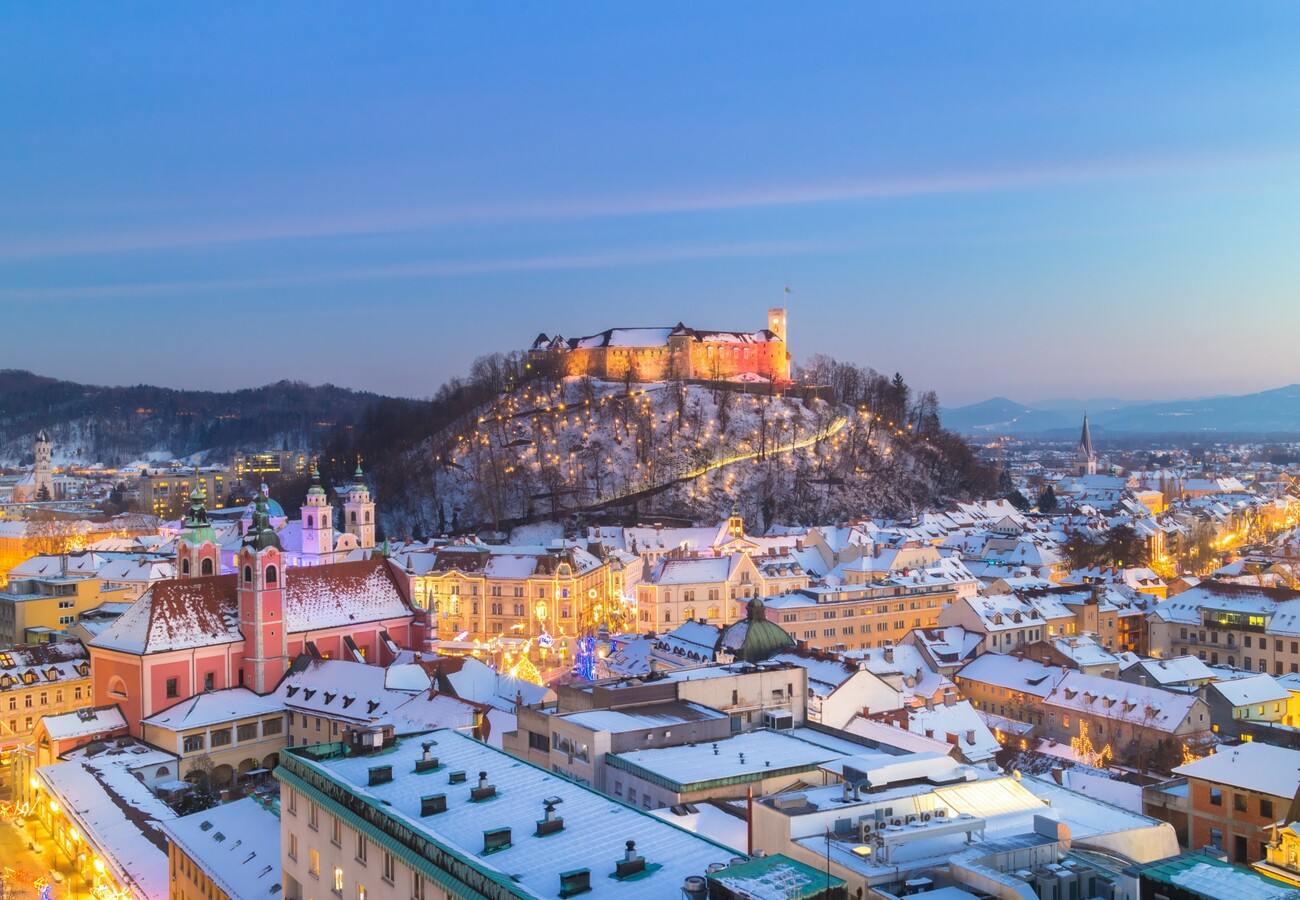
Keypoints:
pixel 1027 200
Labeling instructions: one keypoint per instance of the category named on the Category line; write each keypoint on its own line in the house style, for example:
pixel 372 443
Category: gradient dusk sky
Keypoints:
pixel 1034 200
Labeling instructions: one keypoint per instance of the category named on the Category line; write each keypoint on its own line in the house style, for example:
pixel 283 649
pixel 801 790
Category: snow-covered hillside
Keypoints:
pixel 585 446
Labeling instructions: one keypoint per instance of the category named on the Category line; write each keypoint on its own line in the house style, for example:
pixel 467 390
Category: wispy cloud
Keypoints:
pixel 303 226
pixel 428 269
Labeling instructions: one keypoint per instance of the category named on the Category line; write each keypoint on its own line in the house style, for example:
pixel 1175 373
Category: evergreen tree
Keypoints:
pixel 1019 501
pixel 1047 501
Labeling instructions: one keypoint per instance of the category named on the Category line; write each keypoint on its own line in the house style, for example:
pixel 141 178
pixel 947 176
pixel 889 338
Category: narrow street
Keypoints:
pixel 30 864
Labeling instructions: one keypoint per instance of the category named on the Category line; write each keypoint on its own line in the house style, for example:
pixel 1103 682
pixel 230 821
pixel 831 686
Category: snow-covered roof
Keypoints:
pixel 477 681
pixel 237 845
pixel 1177 670
pixel 1023 675
pixel 1252 766
pixel 347 690
pixel 747 755
pixel 198 612
pixel 1148 707
pixel 88 722
pixel 595 833
pixel 1254 689
pixel 215 708
pixel 119 816
pixel 637 718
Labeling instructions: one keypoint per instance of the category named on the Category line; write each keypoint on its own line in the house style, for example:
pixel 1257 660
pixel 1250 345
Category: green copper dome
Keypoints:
pixel 755 638
pixel 261 535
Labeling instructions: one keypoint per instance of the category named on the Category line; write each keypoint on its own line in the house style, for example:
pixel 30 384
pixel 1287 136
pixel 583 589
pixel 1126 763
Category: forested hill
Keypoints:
pixel 115 425
pixel 509 444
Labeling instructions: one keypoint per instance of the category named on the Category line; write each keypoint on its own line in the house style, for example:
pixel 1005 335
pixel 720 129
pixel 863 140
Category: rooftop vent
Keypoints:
pixel 496 839
pixel 427 764
pixel 630 864
pixel 484 791
pixel 695 887
pixel 574 883
pixel 433 804
pixel 457 777
pixel 550 823
pixel 380 774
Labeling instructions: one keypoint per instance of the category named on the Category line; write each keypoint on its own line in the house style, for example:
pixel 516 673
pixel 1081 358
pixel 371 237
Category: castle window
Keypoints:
pixel 354 517
pixel 185 567
pixel 367 515
pixel 206 567
pixel 248 574
pixel 271 575
pixel 311 522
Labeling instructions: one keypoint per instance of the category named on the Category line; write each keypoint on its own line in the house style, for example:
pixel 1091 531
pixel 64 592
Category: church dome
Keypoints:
pixel 754 638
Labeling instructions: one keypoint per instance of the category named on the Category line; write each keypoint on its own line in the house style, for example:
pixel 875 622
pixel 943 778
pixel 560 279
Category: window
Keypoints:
pixel 271 726
pixel 171 688
pixel 1266 807
pixel 1216 838
pixel 248 731
pixel 336 831
pixel 338 880
pixel 1216 799
pixel 221 737
pixel 209 681
pixel 390 867
pixel 417 886
pixel 293 845
pixel 362 849
pixel 313 815
pixel 1239 801
pixel 313 862
pixel 293 802
pixel 193 743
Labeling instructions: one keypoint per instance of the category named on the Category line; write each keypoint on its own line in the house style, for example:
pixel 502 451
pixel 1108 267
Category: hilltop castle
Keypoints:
pixel 659 354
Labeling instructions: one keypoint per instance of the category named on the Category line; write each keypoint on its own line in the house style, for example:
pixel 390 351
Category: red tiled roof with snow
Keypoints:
pixel 203 612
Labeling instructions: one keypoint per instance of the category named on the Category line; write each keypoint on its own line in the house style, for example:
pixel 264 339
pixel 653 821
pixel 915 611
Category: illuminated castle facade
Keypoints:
pixel 661 354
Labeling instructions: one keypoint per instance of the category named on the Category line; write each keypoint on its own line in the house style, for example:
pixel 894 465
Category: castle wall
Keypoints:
pixel 702 360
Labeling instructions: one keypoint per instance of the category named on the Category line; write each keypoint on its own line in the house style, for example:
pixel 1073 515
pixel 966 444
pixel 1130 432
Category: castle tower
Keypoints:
pixel 779 324
pixel 1086 457
pixel 261 603
pixel 44 472
pixel 776 322
pixel 317 523
pixel 197 555
pixel 359 511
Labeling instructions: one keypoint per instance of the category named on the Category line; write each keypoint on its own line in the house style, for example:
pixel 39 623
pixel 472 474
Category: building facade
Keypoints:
pixel 678 352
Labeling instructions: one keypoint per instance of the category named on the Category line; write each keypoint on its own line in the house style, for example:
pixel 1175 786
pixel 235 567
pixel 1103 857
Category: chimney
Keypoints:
pixel 1142 680
pixel 630 864
pixel 550 823
pixel 970 736
pixel 949 698
pixel 433 804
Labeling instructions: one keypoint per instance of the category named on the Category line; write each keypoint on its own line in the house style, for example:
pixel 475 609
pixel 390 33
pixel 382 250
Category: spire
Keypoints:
pixel 260 534
pixel 359 477
pixel 1085 439
pixel 315 481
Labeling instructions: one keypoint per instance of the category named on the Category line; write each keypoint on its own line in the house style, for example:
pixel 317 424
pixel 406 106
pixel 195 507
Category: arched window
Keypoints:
pixel 248 574
pixel 688 613
pixel 206 567
pixel 354 517
pixel 117 687
pixel 311 521
pixel 271 575
pixel 668 615
pixel 185 567
pixel 367 515
pixel 162 772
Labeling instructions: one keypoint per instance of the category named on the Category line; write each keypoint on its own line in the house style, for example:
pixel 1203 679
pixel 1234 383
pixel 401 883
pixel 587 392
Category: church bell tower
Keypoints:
pixel 359 511
pixel 317 524
pixel 261 603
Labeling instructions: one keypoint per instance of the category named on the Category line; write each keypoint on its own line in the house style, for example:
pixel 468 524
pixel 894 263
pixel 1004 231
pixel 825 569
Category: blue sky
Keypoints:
pixel 1034 200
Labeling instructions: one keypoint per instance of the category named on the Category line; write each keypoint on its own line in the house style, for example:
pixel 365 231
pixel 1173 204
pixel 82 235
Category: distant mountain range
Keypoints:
pixel 117 425
pixel 1266 413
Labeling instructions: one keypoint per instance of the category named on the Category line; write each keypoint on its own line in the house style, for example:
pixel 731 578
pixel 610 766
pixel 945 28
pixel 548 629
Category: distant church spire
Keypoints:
pixel 1086 458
